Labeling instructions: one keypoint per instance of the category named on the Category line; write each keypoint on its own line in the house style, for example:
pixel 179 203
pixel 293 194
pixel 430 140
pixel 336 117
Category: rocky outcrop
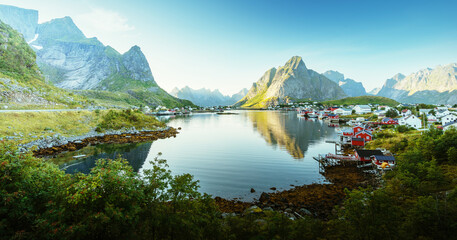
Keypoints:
pixel 351 87
pixel 433 86
pixel 292 81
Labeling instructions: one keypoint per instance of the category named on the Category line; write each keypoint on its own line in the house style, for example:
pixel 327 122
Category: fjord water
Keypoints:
pixel 230 154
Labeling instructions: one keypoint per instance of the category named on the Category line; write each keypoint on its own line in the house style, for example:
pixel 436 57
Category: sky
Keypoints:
pixel 228 45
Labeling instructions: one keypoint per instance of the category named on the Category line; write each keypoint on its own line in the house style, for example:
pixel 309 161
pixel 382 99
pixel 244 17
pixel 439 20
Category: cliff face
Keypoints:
pixel 351 87
pixel 291 81
pixel 24 21
pixel 21 82
pixel 437 85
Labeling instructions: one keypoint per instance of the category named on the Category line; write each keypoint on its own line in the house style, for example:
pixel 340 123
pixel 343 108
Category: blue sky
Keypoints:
pixel 230 44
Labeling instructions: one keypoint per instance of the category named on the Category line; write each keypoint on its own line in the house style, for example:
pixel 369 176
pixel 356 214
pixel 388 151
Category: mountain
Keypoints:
pixel 432 86
pixel 72 61
pixel 21 82
pixel 349 86
pixel 291 81
pixel 206 98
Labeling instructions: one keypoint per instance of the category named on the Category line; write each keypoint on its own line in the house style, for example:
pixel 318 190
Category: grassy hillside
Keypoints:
pixel 133 98
pixel 21 82
pixel 362 100
pixel 71 123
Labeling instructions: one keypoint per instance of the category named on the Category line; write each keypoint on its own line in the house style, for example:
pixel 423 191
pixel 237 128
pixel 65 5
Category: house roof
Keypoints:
pixel 364 131
pixel 405 110
pixel 386 119
pixel 368 153
pixel 450 123
pixel 384 158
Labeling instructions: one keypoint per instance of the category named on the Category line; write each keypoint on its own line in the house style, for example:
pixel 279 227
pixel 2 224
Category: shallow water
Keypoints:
pixel 230 154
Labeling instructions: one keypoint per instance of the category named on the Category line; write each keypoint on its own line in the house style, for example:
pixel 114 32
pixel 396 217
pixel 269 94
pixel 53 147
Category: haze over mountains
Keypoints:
pixel 291 81
pixel 349 86
pixel 206 98
pixel 71 61
pixel 438 85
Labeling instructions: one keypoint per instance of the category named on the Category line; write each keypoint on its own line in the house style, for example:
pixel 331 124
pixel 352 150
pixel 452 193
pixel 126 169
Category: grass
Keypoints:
pixel 392 140
pixel 362 100
pixel 70 123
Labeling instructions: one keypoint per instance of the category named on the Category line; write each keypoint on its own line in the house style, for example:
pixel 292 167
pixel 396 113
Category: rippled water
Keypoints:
pixel 230 154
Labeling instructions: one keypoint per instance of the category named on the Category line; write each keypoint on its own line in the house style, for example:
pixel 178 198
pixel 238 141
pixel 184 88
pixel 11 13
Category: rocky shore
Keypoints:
pixel 316 200
pixel 50 146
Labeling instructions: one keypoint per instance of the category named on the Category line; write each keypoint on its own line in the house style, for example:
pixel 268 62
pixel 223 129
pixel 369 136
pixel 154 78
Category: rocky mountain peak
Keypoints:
pixel 59 29
pixel 296 64
pixel 137 64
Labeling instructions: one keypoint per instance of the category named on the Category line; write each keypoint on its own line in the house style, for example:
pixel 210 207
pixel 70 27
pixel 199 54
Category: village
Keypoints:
pixel 359 124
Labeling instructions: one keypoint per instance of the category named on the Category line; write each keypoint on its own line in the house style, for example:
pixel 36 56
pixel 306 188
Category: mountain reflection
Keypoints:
pixel 288 131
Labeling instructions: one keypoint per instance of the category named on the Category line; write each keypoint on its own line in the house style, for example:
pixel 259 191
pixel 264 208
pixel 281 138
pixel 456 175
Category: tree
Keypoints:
pixel 391 113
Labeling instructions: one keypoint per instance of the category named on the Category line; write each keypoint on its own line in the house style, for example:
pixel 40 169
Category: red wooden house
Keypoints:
pixel 367 136
pixel 357 129
pixel 365 155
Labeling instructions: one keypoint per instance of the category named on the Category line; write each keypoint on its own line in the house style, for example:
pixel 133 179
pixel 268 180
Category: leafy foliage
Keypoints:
pixel 119 119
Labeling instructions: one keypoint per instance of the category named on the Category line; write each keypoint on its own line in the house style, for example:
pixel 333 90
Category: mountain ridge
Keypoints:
pixel 206 97
pixel 437 85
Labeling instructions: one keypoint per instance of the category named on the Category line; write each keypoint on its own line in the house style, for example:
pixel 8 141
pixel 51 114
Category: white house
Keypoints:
pixel 343 111
pixel 431 118
pixel 441 113
pixel 406 112
pixel 362 109
pixel 410 121
pixel 448 118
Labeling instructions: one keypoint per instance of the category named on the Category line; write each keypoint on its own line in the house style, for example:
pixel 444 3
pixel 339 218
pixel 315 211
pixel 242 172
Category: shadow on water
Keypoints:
pixel 134 153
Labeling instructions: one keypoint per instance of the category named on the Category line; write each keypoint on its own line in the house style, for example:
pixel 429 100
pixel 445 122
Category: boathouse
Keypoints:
pixel 365 155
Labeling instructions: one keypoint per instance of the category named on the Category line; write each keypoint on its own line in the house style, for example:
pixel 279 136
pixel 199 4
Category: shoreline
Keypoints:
pixel 315 200
pixel 51 146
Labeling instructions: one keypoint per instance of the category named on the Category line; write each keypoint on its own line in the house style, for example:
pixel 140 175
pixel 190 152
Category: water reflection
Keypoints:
pixel 295 134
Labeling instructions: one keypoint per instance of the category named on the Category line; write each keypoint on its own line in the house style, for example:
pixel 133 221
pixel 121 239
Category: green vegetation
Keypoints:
pixel 30 125
pixel 127 119
pixel 418 200
pixel 133 98
pixel 362 100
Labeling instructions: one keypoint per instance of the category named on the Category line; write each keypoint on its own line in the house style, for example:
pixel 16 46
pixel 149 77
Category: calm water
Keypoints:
pixel 230 154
